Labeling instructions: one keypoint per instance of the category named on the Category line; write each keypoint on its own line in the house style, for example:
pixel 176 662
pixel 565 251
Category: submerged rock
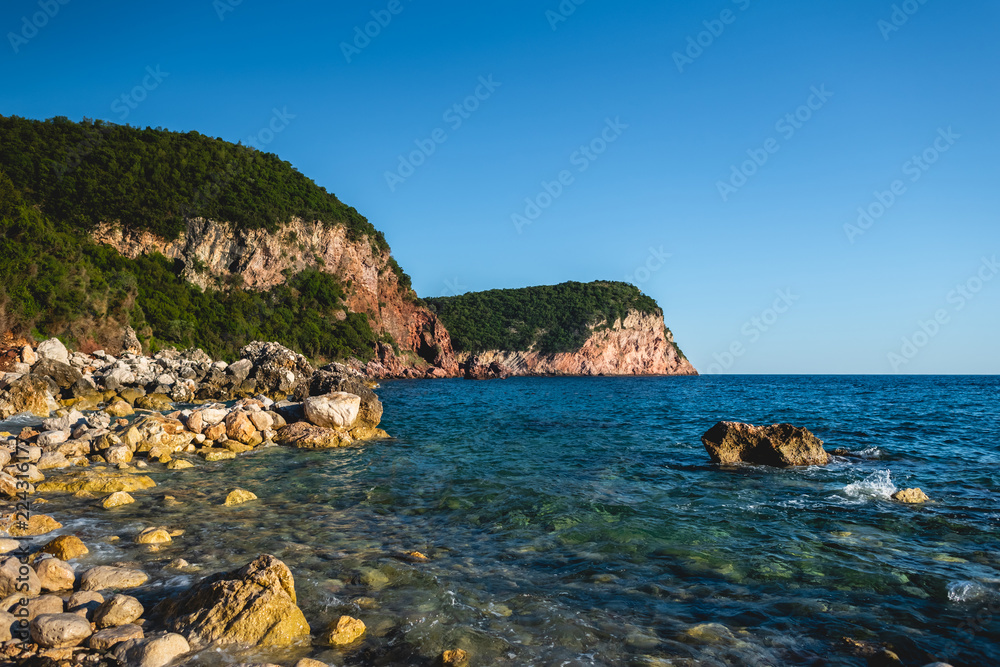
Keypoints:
pixel 98 483
pixel 780 445
pixel 239 496
pixel 255 605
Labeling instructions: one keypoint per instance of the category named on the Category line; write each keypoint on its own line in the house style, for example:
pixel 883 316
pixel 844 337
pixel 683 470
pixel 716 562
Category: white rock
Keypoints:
pixel 212 416
pixel 52 438
pixel 53 349
pixel 151 652
pixel 166 380
pixel 28 355
pixel 336 410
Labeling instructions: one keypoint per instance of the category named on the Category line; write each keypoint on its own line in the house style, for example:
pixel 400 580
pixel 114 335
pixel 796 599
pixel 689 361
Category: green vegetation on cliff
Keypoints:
pixel 552 318
pixel 54 281
pixel 86 173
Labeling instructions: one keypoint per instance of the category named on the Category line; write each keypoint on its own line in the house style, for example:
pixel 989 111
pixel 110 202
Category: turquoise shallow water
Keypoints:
pixel 578 521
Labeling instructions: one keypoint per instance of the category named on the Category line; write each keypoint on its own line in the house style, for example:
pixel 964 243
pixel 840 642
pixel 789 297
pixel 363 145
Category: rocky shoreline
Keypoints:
pixel 106 422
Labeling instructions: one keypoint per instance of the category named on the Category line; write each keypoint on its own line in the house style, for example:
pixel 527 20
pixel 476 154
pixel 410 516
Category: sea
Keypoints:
pixel 579 521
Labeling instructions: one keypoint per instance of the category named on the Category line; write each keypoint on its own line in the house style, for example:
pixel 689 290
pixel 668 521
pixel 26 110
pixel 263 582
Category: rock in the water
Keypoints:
pixel 179 464
pixel 153 536
pixel 254 605
pixel 98 483
pixel 117 499
pixel 59 630
pixel 911 496
pixel 37 524
pixel 110 637
pixel 119 408
pixel 303 435
pixel 239 496
pixel 66 547
pixel 336 410
pixel 107 577
pixel 156 652
pixel 780 445
pixel 345 631
pixel 55 575
pixel 119 610
pixel 455 657
pixel 308 662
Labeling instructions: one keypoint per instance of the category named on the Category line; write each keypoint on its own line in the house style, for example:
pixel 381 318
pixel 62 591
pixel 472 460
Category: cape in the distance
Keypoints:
pixel 197 242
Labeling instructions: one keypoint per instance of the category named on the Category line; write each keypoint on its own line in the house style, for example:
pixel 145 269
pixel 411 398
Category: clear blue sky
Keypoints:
pixel 656 185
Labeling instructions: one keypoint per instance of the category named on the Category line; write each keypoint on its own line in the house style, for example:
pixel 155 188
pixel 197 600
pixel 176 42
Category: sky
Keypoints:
pixel 804 187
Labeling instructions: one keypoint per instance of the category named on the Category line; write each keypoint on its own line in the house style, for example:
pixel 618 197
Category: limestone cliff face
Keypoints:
pixel 639 345
pixel 213 252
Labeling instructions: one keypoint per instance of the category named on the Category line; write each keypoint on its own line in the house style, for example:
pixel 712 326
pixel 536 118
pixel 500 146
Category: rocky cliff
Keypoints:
pixel 639 344
pixel 219 254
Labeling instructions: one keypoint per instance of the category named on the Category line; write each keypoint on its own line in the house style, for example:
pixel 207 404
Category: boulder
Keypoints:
pixel 12 487
pixel 911 496
pixel 344 631
pixel 55 575
pixel 255 605
pixel 52 438
pixel 277 370
pixel 118 455
pixel 52 349
pixel 7 629
pixel 107 577
pixel 66 547
pixel 326 381
pixel 28 393
pixel 59 630
pixel 64 375
pixel 335 410
pixel 780 445
pixel 108 638
pixel 119 610
pixel 130 342
pixel 119 408
pixel 151 652
pixel 239 427
pixel 153 536
pixel 53 461
pixel 303 435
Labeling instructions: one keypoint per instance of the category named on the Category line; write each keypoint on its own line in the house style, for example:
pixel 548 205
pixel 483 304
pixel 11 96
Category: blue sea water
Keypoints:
pixel 579 521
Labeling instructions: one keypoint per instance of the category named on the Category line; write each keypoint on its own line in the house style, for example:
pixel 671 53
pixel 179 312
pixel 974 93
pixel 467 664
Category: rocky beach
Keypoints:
pixel 107 423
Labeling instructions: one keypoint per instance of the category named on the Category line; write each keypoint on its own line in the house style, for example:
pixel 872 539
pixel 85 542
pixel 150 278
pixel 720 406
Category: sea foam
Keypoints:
pixel 878 485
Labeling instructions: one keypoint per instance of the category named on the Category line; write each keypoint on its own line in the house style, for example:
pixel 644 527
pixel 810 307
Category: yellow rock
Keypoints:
pixel 153 536
pixel 66 547
pixel 455 657
pixel 119 408
pixel 38 524
pixel 345 631
pixel 117 499
pixel 911 496
pixel 97 483
pixel 239 496
pixel 179 464
pixel 216 454
pixel 417 556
